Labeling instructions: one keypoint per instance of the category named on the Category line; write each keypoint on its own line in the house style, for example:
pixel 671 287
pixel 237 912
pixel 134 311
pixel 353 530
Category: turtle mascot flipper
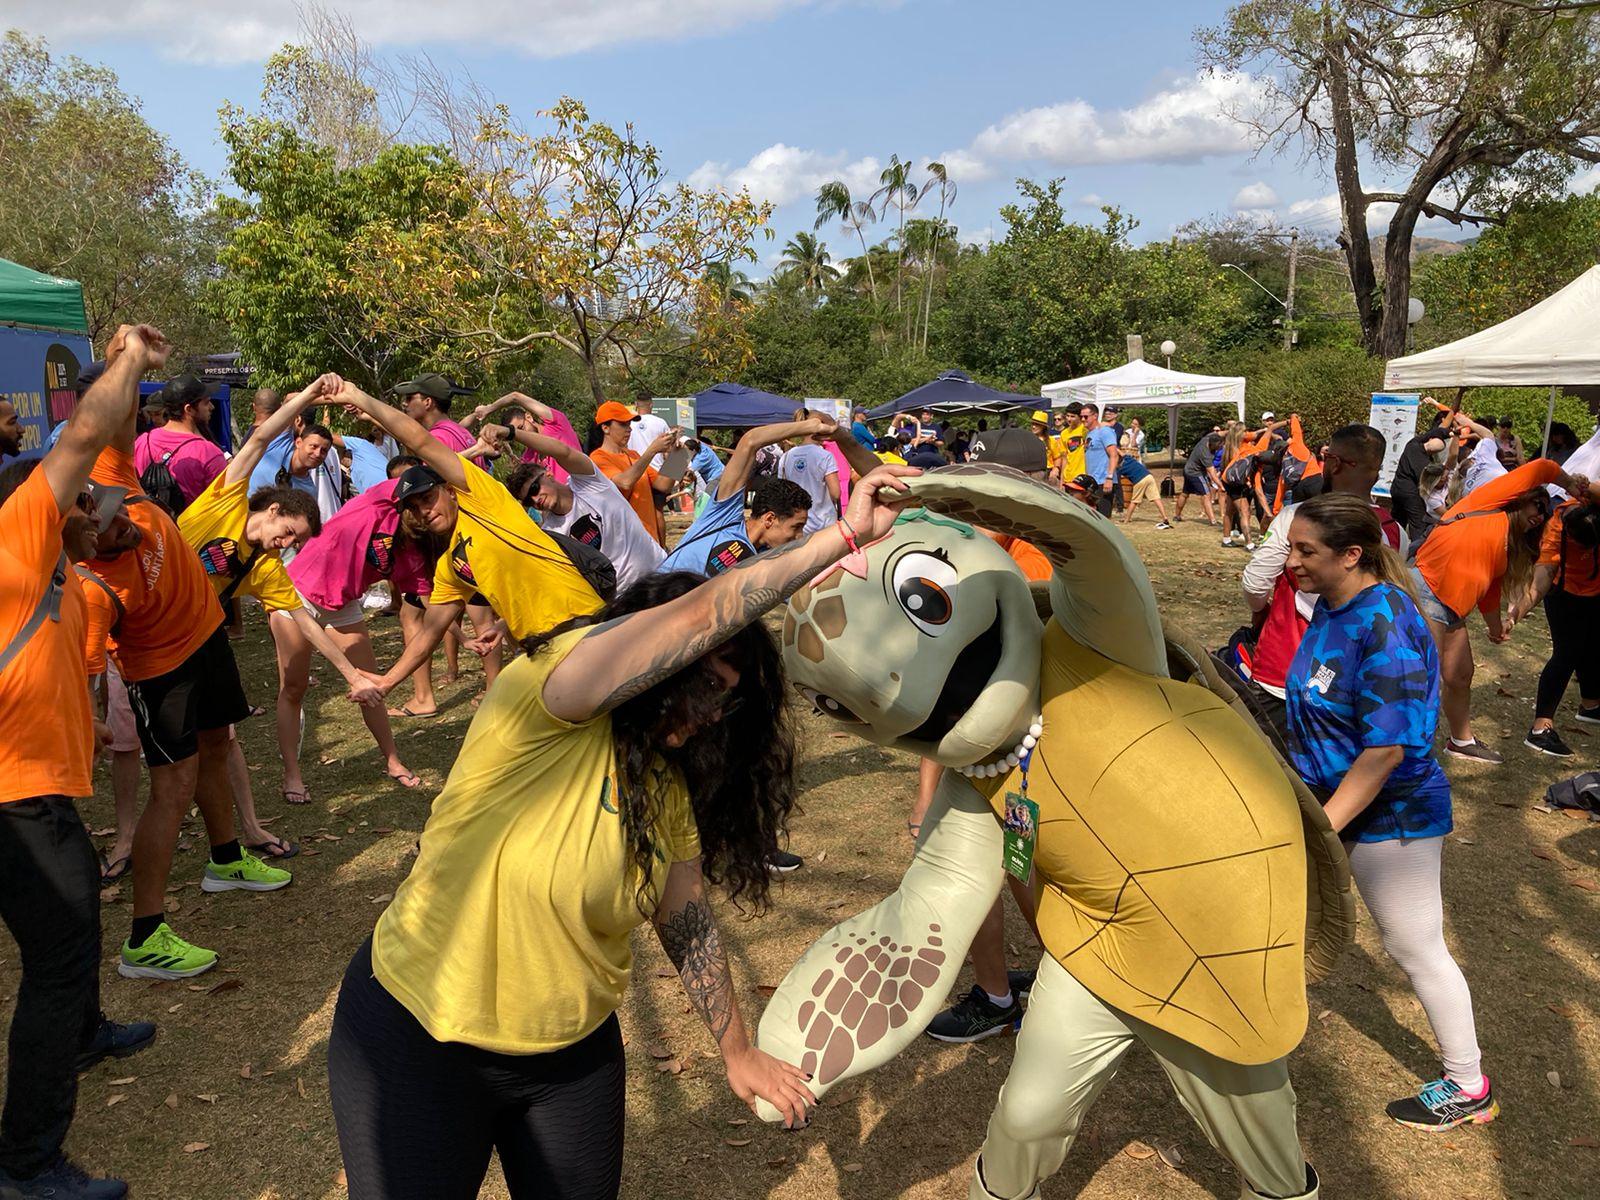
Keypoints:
pixel 1171 860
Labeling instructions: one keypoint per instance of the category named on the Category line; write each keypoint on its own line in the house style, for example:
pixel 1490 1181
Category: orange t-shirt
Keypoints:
pixel 1463 561
pixel 48 747
pixel 1580 576
pixel 613 463
pixel 171 606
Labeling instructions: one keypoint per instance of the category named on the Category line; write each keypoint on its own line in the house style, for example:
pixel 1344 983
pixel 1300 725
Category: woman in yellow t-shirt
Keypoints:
pixel 632 756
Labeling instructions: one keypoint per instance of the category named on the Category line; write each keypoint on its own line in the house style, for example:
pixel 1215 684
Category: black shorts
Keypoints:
pixel 202 693
pixel 478 600
pixel 1237 491
pixel 414 600
pixel 1195 485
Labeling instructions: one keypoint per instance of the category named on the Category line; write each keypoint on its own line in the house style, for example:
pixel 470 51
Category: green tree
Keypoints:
pixel 834 202
pixel 897 188
pixel 1473 104
pixel 807 260
pixel 97 195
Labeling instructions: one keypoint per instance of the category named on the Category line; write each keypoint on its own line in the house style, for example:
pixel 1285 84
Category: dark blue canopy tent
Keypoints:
pixel 954 390
pixel 734 405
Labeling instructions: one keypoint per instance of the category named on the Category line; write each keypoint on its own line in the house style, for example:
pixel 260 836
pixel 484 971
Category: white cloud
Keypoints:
pixel 1091 200
pixel 1255 195
pixel 1187 122
pixel 1587 182
pixel 222 33
pixel 784 174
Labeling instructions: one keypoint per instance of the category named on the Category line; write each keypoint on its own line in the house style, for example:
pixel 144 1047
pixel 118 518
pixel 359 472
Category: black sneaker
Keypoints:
pixel 974 1019
pixel 1021 982
pixel 1163 524
pixel 1588 716
pixel 113 1040
pixel 1547 741
pixel 62 1180
pixel 782 862
pixel 1473 751
pixel 1442 1105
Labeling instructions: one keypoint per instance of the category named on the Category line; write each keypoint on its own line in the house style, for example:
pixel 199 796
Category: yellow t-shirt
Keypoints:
pixel 889 456
pixel 1074 457
pixel 496 549
pixel 512 931
pixel 214 525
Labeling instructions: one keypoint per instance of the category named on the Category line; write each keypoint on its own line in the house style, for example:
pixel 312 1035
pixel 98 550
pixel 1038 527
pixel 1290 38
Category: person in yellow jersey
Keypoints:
pixel 1072 438
pixel 633 756
pixel 493 549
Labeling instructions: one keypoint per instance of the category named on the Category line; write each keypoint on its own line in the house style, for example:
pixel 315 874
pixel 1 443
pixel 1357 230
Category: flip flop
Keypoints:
pixel 110 872
pixel 405 711
pixel 274 847
pixel 415 779
pixel 304 795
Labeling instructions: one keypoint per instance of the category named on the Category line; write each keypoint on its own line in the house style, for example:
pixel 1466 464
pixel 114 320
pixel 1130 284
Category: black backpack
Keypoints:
pixel 593 565
pixel 156 481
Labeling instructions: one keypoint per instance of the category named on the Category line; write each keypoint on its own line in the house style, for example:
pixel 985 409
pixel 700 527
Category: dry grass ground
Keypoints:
pixel 242 1071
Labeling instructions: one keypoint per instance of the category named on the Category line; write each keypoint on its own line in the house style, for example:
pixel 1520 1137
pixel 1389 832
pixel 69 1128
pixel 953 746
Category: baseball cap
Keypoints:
pixel 1269 415
pixel 611 410
pixel 107 500
pixel 1040 417
pixel 1084 483
pixel 430 383
pixel 415 481
pixel 87 374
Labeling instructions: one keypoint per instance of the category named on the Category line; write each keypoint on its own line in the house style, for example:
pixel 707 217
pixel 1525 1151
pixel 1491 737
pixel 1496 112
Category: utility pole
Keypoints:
pixel 1288 304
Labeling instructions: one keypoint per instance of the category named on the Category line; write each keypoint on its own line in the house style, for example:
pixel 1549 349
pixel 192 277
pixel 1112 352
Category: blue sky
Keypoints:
pixel 779 95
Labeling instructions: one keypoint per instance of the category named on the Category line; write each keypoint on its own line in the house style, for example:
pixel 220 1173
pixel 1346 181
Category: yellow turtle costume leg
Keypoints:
pixel 1070 1048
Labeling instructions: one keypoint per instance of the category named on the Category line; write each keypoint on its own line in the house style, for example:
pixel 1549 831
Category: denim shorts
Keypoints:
pixel 1431 606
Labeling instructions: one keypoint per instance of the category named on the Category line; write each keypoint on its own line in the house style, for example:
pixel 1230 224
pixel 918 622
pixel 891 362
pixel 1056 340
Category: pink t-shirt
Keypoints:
pixel 844 472
pixel 195 460
pixel 355 550
pixel 561 429
pixel 458 438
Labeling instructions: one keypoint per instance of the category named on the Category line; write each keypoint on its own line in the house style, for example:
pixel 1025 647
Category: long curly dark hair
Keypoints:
pixel 738 766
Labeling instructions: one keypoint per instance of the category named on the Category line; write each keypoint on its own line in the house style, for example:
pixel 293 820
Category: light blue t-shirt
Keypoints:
pixel 716 540
pixel 369 466
pixel 809 465
pixel 1096 452
pixel 707 465
pixel 275 463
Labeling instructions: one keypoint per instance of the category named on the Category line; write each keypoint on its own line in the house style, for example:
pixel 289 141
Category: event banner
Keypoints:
pixel 838 410
pixel 1394 416
pixel 683 415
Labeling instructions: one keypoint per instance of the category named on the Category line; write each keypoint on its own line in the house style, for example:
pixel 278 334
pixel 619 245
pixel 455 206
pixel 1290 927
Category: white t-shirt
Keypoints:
pixel 601 518
pixel 809 465
pixel 646 430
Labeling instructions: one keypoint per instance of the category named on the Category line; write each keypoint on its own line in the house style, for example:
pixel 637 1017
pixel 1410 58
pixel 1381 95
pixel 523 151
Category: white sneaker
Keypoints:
pixel 1228 541
pixel 1249 545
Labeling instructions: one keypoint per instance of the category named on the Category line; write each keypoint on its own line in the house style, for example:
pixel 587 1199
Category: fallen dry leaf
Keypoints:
pixel 341 1180
pixel 1585 1143
pixel 1554 1078
pixel 383 899
pixel 1138 1150
pixel 1587 885
pixel 171 1101
pixel 737 1121
pixel 1169 1155
pixel 672 1066
pixel 116 1099
pixel 300 1086
pixel 244 1071
pixel 174 1008
pixel 992 1059
pixel 852 1167
pixel 1562 1010
pixel 1500 691
pixel 833 904
pixel 208 1097
pixel 123 1082
pixel 665 973
pixel 1575 814
pixel 777 1162
pixel 109 895
pixel 822 856
pixel 764 989
pixel 171 904
pixel 1542 808
pixel 227 985
pixel 1325 1014
pixel 196 1147
pixel 1545 854
pixel 737 1141
pixel 658 1051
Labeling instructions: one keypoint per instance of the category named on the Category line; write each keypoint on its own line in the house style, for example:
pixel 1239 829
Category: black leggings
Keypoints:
pixel 1574 646
pixel 417 1117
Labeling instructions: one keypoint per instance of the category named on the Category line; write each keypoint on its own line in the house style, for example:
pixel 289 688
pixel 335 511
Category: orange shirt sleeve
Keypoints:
pixel 1508 487
pixel 115 469
pixel 31 524
pixel 97 629
pixel 1550 539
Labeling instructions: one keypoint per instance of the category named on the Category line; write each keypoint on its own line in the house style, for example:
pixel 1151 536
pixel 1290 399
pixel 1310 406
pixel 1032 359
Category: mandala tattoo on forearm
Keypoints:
pixel 692 942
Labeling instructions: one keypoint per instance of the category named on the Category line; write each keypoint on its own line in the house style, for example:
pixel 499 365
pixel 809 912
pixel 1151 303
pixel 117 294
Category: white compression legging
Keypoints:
pixel 1399 883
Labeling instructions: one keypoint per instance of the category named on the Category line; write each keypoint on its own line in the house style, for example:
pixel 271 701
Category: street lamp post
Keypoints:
pixel 1168 349
pixel 1415 311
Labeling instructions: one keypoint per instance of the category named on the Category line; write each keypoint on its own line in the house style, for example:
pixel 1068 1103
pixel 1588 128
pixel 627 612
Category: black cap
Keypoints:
pixel 87 374
pixel 430 383
pixel 415 481
pixel 1085 483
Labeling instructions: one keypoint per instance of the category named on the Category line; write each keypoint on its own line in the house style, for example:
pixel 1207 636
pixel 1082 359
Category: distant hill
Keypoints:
pixel 1424 247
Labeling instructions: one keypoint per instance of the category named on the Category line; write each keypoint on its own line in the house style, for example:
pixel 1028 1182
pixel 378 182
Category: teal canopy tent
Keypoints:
pixel 46 301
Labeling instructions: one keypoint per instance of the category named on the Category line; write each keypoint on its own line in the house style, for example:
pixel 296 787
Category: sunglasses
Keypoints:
pixel 86 503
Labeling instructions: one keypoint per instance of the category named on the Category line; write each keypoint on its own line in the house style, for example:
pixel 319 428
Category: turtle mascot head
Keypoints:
pixel 928 641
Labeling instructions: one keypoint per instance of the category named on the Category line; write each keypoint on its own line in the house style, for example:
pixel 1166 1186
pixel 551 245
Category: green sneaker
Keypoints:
pixel 249 874
pixel 165 955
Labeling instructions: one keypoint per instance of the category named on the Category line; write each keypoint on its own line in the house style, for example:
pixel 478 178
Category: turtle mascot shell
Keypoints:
pixel 1183 875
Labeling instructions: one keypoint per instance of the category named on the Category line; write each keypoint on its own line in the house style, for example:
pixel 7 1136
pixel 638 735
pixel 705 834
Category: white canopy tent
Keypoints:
pixel 1143 383
pixel 1556 341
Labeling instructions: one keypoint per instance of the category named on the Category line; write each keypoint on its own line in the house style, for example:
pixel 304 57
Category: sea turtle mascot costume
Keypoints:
pixel 1185 880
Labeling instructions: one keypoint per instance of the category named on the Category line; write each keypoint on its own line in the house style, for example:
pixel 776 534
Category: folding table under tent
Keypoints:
pixel 1557 341
pixel 1143 384
pixel 953 391
pixel 732 405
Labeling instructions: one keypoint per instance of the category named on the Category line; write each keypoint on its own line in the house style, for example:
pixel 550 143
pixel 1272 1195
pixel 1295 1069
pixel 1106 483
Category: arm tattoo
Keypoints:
pixel 735 607
pixel 690 938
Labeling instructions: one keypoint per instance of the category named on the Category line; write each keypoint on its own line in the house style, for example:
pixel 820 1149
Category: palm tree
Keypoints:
pixel 899 189
pixel 940 178
pixel 732 286
pixel 809 262
pixel 834 202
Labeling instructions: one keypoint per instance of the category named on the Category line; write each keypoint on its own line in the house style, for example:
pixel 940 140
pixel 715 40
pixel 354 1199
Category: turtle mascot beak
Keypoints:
pixel 933 647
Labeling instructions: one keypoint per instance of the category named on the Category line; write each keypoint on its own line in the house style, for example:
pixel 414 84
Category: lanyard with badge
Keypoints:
pixel 1021 826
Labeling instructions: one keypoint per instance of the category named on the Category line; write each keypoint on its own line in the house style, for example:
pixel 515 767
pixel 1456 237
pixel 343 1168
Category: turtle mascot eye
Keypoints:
pixel 1187 881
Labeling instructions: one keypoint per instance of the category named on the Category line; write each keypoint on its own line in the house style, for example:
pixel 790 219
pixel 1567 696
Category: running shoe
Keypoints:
pixel 782 862
pixel 165 955
pixel 61 1180
pixel 1163 524
pixel 1473 751
pixel 248 874
pixel 1228 541
pixel 1547 741
pixel 974 1018
pixel 1442 1105
pixel 1589 716
pixel 1021 983
pixel 113 1040
pixel 1250 546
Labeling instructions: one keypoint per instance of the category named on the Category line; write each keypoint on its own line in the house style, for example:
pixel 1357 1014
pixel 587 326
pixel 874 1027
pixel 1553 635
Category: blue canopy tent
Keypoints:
pixel 952 391
pixel 734 405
